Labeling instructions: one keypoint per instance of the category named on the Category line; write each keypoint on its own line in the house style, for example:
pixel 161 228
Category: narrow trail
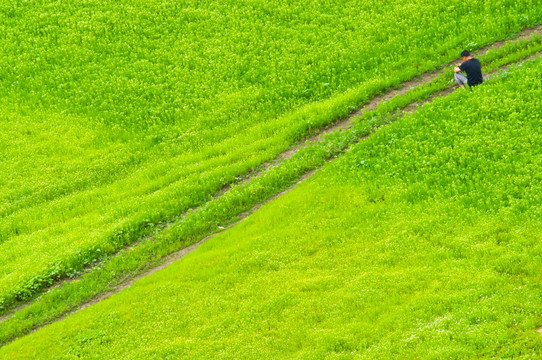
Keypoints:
pixel 341 125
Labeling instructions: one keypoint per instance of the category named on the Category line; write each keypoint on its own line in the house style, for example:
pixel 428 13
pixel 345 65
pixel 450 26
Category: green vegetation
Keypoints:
pixel 118 117
pixel 423 241
pixel 223 210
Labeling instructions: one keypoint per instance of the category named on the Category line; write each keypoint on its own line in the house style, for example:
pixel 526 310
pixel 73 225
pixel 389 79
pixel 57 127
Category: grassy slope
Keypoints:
pixel 221 210
pixel 422 242
pixel 169 134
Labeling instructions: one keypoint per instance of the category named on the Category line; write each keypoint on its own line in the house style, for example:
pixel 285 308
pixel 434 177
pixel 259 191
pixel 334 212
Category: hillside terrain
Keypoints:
pixel 252 179
pixel 119 117
pixel 423 241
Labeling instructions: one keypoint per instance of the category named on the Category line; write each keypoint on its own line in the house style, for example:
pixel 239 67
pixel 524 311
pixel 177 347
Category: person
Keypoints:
pixel 473 69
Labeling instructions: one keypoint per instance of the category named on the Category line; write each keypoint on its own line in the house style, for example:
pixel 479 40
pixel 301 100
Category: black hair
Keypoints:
pixel 465 53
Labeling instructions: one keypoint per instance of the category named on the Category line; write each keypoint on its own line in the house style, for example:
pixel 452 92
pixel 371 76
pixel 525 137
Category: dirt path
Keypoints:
pixel 339 125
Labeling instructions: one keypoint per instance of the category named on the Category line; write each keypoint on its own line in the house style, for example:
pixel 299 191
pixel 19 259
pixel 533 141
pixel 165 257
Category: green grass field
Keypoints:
pixel 224 209
pixel 423 241
pixel 118 117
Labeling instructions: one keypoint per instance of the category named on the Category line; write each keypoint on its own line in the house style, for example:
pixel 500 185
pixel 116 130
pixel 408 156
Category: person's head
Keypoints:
pixel 465 54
